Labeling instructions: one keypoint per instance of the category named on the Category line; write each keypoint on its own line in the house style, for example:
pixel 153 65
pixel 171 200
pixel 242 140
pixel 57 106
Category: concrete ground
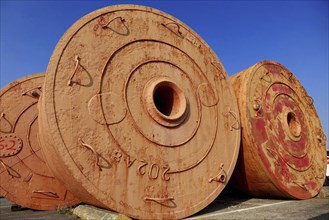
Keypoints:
pixel 231 206
pixel 28 214
pixel 227 206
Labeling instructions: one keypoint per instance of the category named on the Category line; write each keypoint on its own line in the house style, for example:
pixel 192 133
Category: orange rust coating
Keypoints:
pixel 139 114
pixel 283 152
pixel 24 176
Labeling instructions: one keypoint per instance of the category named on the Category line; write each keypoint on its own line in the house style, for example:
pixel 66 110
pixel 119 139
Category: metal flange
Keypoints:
pixel 283 152
pixel 139 113
pixel 25 177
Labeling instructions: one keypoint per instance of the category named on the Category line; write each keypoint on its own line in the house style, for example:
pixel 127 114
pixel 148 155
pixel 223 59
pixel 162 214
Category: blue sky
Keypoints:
pixel 241 33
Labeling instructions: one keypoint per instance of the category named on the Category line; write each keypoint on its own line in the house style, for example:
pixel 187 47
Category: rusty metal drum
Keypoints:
pixel 283 152
pixel 25 178
pixel 140 114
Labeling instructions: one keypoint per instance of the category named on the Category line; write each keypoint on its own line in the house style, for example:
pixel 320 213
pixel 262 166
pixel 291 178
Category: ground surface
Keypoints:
pixel 227 206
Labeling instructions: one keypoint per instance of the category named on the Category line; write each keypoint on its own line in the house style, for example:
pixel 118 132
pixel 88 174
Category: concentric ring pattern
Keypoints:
pixel 283 149
pixel 25 178
pixel 140 113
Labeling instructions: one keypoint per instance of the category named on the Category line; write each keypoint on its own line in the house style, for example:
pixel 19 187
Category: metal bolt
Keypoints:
pixel 256 106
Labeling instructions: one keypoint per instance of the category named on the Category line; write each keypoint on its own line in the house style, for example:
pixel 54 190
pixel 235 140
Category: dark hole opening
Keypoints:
pixel 293 124
pixel 163 98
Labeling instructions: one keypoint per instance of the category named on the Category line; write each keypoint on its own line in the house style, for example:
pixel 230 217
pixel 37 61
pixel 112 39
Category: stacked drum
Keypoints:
pixel 25 177
pixel 136 114
pixel 283 152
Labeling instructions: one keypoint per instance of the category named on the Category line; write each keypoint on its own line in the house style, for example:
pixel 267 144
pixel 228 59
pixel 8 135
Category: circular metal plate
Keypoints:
pixel 25 177
pixel 140 111
pixel 283 151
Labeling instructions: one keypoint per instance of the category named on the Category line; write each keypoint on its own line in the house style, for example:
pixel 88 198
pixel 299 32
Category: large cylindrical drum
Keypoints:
pixel 140 114
pixel 283 152
pixel 25 178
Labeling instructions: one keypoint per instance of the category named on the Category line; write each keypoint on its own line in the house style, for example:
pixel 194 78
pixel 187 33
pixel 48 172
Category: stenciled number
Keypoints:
pixel 8 147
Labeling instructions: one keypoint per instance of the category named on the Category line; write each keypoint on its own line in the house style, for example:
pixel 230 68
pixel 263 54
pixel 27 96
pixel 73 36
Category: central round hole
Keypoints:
pixel 294 125
pixel 165 102
pixel 166 99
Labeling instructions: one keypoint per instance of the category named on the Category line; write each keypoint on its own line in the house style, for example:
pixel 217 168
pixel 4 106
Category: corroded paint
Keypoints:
pixel 282 154
pixel 25 177
pixel 141 119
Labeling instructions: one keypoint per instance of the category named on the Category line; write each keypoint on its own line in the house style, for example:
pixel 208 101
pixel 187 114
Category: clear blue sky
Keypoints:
pixel 294 33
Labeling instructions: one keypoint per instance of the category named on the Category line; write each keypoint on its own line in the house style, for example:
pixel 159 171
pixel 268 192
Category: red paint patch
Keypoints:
pixel 281 88
pixel 259 131
pixel 312 185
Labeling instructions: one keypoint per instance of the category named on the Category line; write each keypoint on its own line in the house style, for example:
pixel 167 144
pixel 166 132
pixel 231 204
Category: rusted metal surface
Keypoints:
pixel 140 114
pixel 25 178
pixel 283 148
